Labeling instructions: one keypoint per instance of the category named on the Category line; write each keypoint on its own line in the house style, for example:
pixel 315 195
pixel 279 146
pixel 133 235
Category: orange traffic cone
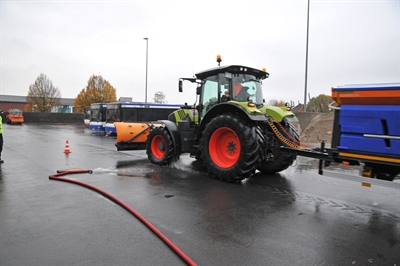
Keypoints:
pixel 66 150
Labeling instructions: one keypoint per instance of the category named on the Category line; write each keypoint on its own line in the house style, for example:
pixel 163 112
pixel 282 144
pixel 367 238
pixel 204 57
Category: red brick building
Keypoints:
pixel 19 102
pixel 12 102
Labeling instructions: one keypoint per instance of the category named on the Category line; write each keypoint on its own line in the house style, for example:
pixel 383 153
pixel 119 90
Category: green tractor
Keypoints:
pixel 230 129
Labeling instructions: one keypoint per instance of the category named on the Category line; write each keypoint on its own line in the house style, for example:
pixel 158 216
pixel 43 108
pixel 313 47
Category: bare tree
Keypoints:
pixel 159 97
pixel 42 95
pixel 274 102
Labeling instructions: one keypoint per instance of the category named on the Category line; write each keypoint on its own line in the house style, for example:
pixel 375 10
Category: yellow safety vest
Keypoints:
pixel 1 125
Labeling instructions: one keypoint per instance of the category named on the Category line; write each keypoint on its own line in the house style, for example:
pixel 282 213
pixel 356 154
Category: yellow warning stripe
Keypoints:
pixel 370 157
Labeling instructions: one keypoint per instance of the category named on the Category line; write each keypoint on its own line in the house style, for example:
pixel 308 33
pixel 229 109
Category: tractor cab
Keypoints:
pixel 235 84
pixel 230 85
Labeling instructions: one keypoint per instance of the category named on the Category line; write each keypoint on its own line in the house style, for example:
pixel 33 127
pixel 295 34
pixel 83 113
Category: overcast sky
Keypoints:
pixel 69 41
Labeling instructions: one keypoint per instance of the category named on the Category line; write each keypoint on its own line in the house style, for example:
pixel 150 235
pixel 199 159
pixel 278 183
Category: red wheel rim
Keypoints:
pixel 224 147
pixel 158 146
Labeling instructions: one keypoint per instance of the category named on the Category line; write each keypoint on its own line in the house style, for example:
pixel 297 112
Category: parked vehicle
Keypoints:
pixel 98 117
pixel 86 116
pixel 15 116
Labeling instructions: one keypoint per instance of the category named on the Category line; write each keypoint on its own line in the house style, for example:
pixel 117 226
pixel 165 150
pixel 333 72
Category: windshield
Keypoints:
pixel 210 93
pixel 16 112
pixel 94 111
pixel 98 112
pixel 87 113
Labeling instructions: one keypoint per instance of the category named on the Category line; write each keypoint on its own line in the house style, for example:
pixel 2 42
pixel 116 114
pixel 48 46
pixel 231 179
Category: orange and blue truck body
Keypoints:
pixel 366 130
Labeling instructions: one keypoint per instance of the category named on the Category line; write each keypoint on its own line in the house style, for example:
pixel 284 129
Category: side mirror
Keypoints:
pixel 198 90
pixel 180 86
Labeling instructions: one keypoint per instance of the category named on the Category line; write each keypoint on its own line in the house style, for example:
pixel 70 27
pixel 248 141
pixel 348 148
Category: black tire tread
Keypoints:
pixel 169 155
pixel 247 162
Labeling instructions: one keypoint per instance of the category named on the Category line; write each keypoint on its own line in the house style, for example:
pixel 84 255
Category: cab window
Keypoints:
pixel 210 93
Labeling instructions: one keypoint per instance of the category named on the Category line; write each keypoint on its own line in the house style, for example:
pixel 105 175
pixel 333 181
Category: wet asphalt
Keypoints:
pixel 296 217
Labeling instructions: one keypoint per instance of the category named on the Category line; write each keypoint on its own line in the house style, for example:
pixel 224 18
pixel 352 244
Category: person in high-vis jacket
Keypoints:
pixel 1 134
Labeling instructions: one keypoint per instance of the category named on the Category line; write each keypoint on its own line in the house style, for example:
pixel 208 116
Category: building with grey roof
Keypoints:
pixel 19 102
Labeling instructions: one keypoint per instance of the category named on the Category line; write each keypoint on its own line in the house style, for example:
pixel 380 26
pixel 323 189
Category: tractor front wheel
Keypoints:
pixel 159 146
pixel 229 148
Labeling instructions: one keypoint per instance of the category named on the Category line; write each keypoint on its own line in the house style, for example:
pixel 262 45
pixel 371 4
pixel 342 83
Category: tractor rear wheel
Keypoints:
pixel 159 146
pixel 281 160
pixel 229 148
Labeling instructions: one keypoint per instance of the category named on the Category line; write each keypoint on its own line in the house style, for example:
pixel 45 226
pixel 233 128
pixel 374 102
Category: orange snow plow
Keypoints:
pixel 15 116
pixel 133 136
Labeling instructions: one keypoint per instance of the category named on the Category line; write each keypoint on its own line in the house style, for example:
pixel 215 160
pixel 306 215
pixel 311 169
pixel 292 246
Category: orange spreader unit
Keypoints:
pixel 372 94
pixel 133 132
pixel 133 136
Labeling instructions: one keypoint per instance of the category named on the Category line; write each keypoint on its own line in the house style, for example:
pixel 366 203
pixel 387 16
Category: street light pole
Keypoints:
pixel 305 85
pixel 147 49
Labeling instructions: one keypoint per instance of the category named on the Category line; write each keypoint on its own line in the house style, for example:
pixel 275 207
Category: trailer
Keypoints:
pixel 366 130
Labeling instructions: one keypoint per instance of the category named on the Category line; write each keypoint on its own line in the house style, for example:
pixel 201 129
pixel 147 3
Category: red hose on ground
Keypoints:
pixel 175 248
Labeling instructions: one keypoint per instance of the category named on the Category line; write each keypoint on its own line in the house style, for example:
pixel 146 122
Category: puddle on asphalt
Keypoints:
pixel 129 171
pixel 310 164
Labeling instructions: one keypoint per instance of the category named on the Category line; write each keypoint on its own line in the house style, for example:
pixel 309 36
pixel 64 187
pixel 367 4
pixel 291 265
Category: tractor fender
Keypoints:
pixel 279 113
pixel 173 130
pixel 230 107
